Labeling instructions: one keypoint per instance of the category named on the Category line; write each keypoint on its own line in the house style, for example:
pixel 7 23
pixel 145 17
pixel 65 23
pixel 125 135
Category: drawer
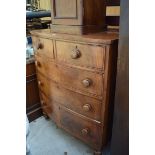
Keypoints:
pixel 83 55
pixel 49 107
pixel 43 47
pixel 45 104
pixel 73 78
pixel 82 104
pixel 85 130
pixel 46 67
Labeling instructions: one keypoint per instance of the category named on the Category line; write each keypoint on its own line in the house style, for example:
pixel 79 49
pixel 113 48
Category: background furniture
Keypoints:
pixel 78 16
pixel 76 79
pixel 33 107
pixel 120 134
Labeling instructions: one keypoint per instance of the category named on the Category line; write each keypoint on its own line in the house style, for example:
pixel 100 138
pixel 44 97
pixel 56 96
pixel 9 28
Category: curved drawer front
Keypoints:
pixel 83 55
pixel 43 47
pixel 83 129
pixel 72 78
pixel 49 107
pixel 84 105
pixel 45 104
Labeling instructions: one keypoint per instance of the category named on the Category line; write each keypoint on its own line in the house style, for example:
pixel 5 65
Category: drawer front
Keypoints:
pixel 49 107
pixel 80 54
pixel 73 78
pixel 45 104
pixel 43 47
pixel 84 105
pixel 85 130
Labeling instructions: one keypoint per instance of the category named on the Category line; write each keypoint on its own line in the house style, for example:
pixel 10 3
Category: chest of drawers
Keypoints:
pixel 76 78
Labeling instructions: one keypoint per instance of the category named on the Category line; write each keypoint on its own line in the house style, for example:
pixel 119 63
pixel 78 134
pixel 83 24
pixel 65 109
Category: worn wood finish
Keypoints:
pixel 82 104
pixel 86 130
pixel 120 134
pixel 79 83
pixel 83 55
pixel 78 16
pixel 82 80
pixel 43 46
pixel 33 107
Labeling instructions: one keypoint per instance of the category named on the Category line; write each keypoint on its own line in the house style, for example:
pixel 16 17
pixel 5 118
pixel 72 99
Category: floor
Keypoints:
pixel 46 139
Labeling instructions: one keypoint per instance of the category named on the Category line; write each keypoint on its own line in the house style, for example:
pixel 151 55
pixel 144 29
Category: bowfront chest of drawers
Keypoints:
pixel 76 76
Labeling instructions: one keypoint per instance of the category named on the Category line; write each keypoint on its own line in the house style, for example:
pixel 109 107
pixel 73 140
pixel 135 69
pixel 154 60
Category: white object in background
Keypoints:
pixel 27 133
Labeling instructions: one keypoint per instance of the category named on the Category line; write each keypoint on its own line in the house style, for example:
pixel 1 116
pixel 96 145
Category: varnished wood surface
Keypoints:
pixel 75 89
pixel 70 99
pixel 78 17
pixel 64 75
pixel 96 38
pixel 85 55
pixel 75 125
pixel 43 46
pixel 33 107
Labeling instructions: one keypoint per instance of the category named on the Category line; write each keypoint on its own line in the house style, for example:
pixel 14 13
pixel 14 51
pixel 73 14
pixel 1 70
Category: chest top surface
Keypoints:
pixel 99 38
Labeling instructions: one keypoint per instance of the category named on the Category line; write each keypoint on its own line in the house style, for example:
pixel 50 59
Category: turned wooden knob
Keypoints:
pixel 40 83
pixel 37 63
pixel 87 82
pixel 85 131
pixel 39 46
pixel 87 107
pixel 42 102
pixel 75 54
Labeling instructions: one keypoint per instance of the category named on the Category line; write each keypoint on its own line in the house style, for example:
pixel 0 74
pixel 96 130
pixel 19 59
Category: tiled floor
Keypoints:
pixel 46 139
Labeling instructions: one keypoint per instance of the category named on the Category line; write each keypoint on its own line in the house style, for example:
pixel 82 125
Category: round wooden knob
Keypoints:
pixel 75 54
pixel 37 63
pixel 40 83
pixel 39 46
pixel 87 82
pixel 84 132
pixel 87 107
pixel 42 102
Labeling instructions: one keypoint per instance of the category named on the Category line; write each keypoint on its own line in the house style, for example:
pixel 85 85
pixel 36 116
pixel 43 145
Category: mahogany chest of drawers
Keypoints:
pixel 76 76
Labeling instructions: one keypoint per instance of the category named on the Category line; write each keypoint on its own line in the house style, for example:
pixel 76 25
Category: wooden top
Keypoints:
pixel 106 37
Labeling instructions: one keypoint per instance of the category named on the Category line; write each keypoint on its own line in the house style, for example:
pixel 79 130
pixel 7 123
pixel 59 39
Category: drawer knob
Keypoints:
pixel 42 102
pixel 75 54
pixel 85 131
pixel 37 63
pixel 40 46
pixel 87 107
pixel 87 82
pixel 40 83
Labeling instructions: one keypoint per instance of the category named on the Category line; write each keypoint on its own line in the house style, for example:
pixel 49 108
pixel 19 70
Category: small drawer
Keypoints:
pixel 83 55
pixel 89 132
pixel 43 47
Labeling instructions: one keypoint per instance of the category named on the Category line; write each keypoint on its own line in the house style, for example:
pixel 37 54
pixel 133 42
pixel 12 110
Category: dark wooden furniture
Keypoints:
pixel 33 107
pixel 78 16
pixel 120 134
pixel 76 77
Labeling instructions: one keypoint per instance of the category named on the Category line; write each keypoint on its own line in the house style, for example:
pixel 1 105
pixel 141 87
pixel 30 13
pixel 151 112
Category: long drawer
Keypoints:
pixel 83 129
pixel 83 55
pixel 82 104
pixel 73 78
